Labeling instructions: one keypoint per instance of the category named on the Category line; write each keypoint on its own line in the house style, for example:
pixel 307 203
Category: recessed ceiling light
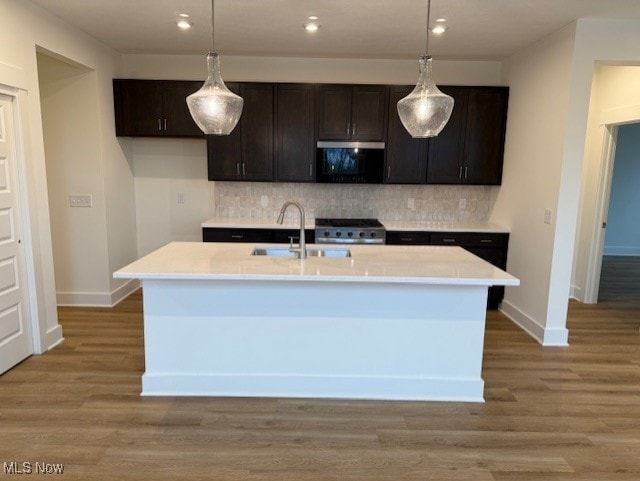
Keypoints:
pixel 313 17
pixel 439 29
pixel 441 19
pixel 311 27
pixel 184 24
pixel 183 15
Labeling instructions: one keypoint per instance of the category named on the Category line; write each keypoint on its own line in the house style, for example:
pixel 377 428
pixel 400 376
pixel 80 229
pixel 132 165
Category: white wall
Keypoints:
pixel 164 168
pixel 79 235
pixel 24 28
pixel 623 229
pixel 539 79
pixel 615 98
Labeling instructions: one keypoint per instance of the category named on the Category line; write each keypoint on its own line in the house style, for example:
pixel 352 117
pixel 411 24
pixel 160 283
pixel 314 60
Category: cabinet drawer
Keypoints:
pixel 406 238
pixel 214 234
pixel 468 239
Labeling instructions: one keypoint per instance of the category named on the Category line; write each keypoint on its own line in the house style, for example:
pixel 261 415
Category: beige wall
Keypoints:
pixel 166 168
pixel 68 96
pixel 24 29
pixel 615 97
pixel 539 79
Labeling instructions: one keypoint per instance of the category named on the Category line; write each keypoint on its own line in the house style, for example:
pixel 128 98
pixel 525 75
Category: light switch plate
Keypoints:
pixel 80 200
pixel 548 216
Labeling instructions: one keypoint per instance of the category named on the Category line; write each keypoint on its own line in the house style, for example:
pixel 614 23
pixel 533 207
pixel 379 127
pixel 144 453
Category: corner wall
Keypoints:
pixel 539 79
pixel 25 28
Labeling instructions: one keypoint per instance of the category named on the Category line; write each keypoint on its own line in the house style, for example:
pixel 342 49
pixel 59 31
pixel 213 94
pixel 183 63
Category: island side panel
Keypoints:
pixel 314 339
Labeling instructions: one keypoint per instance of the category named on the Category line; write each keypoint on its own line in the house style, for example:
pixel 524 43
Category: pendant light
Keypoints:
pixel 426 110
pixel 214 107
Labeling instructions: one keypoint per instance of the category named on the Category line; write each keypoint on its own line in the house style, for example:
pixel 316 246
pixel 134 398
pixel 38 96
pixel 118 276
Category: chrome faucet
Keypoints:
pixel 302 252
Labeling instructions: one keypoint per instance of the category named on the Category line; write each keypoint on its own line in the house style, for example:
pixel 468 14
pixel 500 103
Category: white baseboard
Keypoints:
pixel 621 251
pixel 576 293
pixel 546 337
pixel 97 299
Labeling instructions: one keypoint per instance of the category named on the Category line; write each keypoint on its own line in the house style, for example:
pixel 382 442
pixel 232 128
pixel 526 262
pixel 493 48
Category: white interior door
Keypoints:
pixel 15 325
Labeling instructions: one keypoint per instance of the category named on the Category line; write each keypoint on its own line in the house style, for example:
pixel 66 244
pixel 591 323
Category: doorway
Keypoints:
pixel 620 272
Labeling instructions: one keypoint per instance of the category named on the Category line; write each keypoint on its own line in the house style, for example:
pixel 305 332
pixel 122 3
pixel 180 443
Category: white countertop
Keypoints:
pixel 441 265
pixel 391 225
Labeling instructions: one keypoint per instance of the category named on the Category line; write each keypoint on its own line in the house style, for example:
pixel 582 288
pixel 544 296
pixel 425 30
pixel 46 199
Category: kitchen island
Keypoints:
pixel 389 322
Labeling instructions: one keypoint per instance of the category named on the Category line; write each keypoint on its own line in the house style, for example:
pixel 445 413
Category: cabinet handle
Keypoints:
pixel 238 168
pixel 244 169
pixel 449 240
pixel 486 241
pixel 160 124
pixel 310 170
pixel 348 129
pixel 237 236
pixel 465 172
pixel 353 130
pixel 388 172
pixel 460 173
pixel 165 124
pixel 406 239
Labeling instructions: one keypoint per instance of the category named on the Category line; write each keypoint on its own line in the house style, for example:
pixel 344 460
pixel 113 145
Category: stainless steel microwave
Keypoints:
pixel 350 162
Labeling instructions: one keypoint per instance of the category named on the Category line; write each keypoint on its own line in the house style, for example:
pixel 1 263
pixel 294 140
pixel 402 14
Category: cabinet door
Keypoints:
pixel 224 153
pixel 177 118
pixel 406 157
pixel 334 112
pixel 257 131
pixel 446 151
pixel 138 107
pixel 484 139
pixel 369 112
pixel 295 139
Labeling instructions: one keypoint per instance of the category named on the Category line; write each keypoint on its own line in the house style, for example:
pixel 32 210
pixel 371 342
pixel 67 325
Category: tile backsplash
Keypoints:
pixel 411 203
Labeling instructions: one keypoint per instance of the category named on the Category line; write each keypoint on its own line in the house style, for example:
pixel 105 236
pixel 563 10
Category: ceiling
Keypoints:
pixel 478 29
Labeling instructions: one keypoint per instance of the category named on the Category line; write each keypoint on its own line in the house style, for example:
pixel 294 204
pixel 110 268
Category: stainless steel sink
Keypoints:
pixel 311 252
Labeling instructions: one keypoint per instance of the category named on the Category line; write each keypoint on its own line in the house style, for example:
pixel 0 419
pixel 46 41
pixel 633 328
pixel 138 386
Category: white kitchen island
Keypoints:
pixel 389 322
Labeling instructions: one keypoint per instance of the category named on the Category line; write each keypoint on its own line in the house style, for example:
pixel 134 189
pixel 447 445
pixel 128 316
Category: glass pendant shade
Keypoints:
pixel 215 108
pixel 426 110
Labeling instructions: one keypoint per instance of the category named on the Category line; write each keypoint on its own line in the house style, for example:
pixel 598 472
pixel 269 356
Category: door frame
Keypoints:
pixel 609 122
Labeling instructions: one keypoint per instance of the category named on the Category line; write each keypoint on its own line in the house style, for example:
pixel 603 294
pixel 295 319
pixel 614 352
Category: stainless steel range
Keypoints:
pixel 349 231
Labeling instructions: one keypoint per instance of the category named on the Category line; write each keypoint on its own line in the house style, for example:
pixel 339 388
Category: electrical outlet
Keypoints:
pixel 83 200
pixel 462 204
pixel 548 215
pixel 264 201
pixel 181 198
pixel 411 203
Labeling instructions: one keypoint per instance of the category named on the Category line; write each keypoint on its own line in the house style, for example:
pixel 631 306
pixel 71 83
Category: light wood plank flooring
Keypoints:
pixel 551 414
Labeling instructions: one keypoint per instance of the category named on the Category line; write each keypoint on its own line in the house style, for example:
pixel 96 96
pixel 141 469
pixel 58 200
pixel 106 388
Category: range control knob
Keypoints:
pixel 327 233
pixel 361 234
pixel 373 234
pixel 350 234
pixel 338 234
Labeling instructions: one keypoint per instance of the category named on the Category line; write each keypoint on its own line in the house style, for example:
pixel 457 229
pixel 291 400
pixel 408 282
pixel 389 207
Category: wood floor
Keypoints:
pixel 551 414
pixel 620 279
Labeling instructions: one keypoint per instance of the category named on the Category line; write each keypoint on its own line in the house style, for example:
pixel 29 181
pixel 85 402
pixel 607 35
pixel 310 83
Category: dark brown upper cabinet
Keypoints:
pixel 247 153
pixel 154 108
pixel 470 148
pixel 406 157
pixel 294 139
pixel 352 112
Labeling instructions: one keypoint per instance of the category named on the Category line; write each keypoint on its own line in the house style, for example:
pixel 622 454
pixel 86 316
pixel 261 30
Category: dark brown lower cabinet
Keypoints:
pixel 491 247
pixel 277 236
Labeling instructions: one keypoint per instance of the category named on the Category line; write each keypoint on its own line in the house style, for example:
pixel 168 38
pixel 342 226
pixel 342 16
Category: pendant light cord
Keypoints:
pixel 426 47
pixel 213 10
